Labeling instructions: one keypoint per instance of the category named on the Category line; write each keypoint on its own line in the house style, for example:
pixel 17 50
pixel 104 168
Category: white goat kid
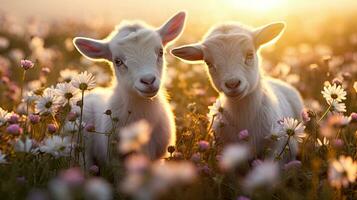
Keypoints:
pixel 136 52
pixel 249 99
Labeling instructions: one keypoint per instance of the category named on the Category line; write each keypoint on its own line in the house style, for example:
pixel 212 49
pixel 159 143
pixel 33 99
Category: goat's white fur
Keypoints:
pixel 137 45
pixel 260 101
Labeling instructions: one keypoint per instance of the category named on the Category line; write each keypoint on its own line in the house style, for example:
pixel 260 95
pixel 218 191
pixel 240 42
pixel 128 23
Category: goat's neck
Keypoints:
pixel 122 99
pixel 243 111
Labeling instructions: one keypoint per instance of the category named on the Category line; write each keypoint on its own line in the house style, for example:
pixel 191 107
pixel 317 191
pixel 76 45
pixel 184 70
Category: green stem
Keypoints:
pixel 80 140
pixel 282 150
pixel 325 113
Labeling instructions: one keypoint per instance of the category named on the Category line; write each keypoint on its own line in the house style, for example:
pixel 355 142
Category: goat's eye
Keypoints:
pixel 161 52
pixel 118 62
pixel 249 58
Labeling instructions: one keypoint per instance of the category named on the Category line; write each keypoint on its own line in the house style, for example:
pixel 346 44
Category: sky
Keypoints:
pixel 112 11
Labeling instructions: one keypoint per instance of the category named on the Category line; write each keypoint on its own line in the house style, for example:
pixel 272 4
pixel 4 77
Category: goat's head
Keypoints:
pixel 230 53
pixel 136 52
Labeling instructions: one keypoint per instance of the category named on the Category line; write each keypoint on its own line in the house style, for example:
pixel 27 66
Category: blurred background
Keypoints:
pixel 320 39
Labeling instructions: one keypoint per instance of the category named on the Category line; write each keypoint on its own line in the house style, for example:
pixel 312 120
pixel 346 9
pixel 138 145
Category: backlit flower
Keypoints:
pixel 134 136
pixel 334 93
pixel 337 107
pixel 168 173
pixel 98 189
pixel 67 75
pixel 265 174
pixel 56 146
pixel 4 116
pixel 338 120
pixel 30 97
pixel 23 145
pixel 342 172
pixel 48 103
pixel 67 93
pixel 233 155
pixel 292 128
pixel 84 81
pixel 215 115
pixel 323 142
pixel 26 64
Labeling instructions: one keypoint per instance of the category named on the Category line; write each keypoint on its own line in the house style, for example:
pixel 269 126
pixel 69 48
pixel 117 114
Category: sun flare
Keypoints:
pixel 258 5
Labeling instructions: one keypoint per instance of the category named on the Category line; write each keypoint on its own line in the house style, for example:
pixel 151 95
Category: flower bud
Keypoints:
pixel 34 119
pixel 90 127
pixel 14 118
pixel 196 158
pixel 26 64
pixel 353 117
pixel 171 149
pixel 243 135
pixel 52 128
pixel 108 112
pixel 203 146
pixel 14 129
pixel 72 116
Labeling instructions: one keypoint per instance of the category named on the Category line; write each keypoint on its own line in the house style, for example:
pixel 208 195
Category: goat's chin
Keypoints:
pixel 149 94
pixel 235 94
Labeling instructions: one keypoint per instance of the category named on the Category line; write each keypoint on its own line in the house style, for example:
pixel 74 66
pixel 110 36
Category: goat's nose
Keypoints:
pixel 232 83
pixel 148 79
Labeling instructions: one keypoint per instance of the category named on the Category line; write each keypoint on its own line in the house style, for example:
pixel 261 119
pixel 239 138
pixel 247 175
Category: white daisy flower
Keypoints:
pixel 342 172
pixel 292 128
pixel 167 174
pixel 334 93
pixel 323 142
pixel 56 146
pixel 84 81
pixel 337 107
pixel 338 120
pixel 98 188
pixel 263 174
pixel 30 97
pixel 23 146
pixel 67 75
pixel 48 103
pixel 233 155
pixel 216 114
pixel 2 158
pixel 67 93
pixel 134 136
pixel 4 116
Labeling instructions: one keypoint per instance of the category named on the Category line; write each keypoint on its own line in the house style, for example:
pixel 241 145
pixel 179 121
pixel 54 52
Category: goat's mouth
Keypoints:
pixel 234 93
pixel 148 93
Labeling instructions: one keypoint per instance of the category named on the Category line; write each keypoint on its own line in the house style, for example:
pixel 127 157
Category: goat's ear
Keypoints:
pixel 267 33
pixel 193 52
pixel 93 49
pixel 172 28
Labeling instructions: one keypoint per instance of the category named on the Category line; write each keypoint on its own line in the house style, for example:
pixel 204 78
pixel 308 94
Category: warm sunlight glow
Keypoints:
pixel 258 5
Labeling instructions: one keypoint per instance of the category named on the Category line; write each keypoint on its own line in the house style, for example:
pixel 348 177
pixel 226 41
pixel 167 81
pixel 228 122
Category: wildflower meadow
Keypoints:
pixel 44 88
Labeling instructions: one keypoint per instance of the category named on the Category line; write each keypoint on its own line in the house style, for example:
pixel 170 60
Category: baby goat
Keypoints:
pixel 249 99
pixel 136 54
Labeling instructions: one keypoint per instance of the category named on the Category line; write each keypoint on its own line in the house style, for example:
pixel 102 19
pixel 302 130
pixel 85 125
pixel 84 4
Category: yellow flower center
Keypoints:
pixel 334 96
pixel 290 132
pixel 48 104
